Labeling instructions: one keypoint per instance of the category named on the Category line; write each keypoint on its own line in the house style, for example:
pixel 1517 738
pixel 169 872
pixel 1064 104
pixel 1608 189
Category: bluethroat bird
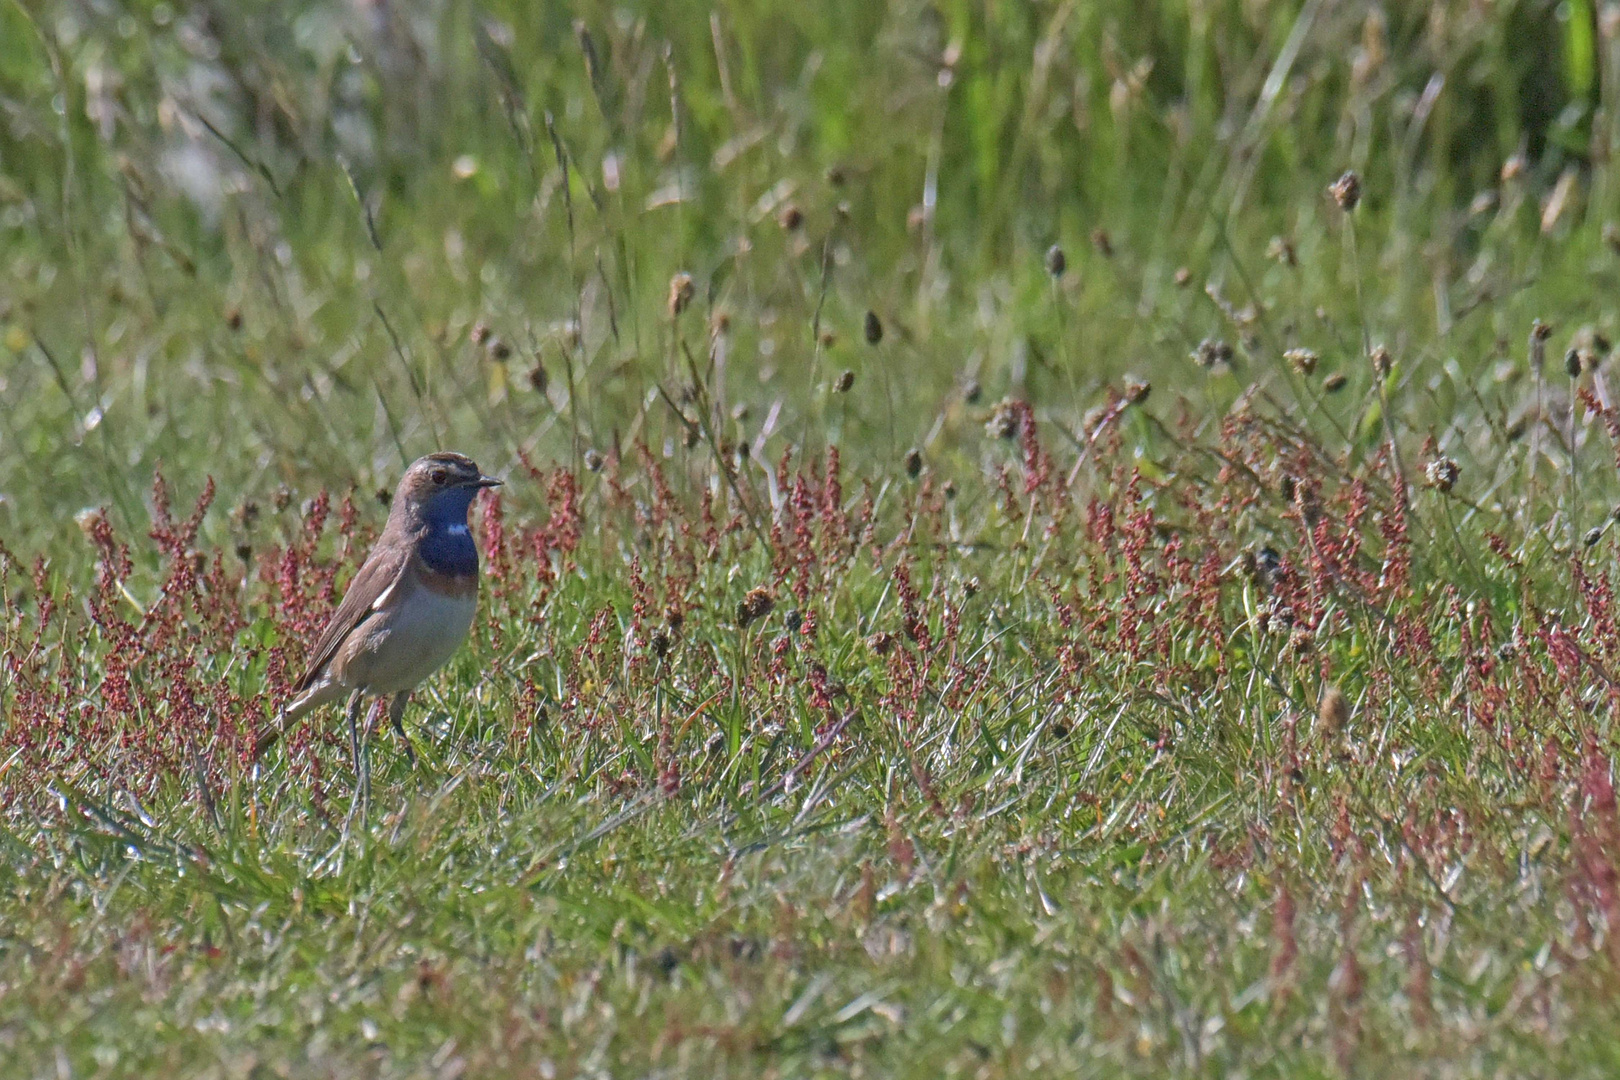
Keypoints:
pixel 407 610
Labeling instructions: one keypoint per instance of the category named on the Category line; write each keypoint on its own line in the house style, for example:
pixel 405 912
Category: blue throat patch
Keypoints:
pixel 448 547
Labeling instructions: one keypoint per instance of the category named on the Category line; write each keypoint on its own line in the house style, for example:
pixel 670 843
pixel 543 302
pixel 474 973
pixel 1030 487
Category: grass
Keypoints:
pixel 899 653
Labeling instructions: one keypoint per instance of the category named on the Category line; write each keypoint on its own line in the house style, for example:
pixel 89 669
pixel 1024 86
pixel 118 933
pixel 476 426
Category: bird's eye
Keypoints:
pixel 439 476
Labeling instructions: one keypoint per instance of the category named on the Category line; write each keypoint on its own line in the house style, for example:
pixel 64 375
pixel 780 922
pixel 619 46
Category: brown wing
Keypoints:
pixel 376 577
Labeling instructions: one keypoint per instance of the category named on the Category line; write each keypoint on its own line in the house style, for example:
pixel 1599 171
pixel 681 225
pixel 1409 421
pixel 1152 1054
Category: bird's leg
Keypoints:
pixel 354 730
pixel 396 711
pixel 365 755
pixel 357 747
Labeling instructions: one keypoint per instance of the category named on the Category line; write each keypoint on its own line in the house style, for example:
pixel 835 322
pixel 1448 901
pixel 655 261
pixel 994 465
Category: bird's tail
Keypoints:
pixel 310 700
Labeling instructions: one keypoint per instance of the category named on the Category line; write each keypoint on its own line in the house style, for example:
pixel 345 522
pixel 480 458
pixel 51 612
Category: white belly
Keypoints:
pixel 410 640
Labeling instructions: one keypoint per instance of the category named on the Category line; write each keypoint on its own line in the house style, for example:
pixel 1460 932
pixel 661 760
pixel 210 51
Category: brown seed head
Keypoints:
pixel 873 328
pixel 1346 191
pixel 480 333
pixel 593 460
pixel 845 381
pixel 1333 712
pixel 791 217
pixel 1611 236
pixel 681 291
pixel 89 520
pixel 1539 333
pixel 1334 381
pixel 1183 277
pixel 1212 352
pixel 1382 362
pixel 1137 390
pixel 537 377
pixel 755 605
pixel 913 462
pixel 1442 473
pixel 1303 360
pixel 1309 504
pixel 1056 261
pixel 1103 243
pixel 1003 422
pixel 1572 362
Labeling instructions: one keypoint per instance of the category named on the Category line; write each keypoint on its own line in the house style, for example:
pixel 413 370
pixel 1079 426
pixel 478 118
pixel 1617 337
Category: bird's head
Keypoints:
pixel 441 485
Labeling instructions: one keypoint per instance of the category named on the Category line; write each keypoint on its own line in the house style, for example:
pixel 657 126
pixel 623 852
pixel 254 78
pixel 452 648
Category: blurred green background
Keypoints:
pixel 256 240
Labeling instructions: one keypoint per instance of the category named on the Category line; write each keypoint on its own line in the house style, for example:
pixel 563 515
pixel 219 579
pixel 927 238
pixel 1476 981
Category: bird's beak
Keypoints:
pixel 487 482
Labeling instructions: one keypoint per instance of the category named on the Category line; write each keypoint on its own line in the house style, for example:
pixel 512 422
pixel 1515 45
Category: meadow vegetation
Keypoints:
pixel 1039 539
